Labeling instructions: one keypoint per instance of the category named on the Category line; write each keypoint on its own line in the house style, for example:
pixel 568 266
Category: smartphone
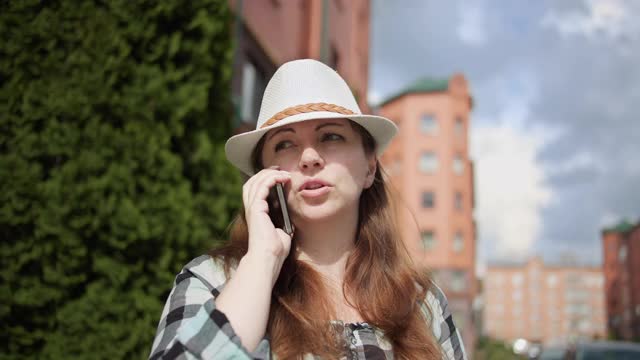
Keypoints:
pixel 278 210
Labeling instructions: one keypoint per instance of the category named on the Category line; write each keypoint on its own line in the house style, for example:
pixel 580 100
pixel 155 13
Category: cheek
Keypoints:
pixel 356 166
pixel 287 163
pixel 284 161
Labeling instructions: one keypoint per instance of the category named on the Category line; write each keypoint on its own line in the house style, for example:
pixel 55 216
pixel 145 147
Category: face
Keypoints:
pixel 328 164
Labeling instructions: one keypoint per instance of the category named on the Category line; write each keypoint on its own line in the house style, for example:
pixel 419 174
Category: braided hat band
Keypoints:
pixel 306 108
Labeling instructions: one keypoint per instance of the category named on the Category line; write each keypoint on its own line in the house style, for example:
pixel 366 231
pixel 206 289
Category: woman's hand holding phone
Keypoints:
pixel 266 241
pixel 246 296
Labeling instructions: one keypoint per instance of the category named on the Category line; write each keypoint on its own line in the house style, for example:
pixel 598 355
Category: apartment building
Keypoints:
pixel 432 177
pixel 540 303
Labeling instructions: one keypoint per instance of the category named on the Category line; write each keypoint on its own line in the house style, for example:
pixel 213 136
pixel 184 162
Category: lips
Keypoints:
pixel 312 185
pixel 314 188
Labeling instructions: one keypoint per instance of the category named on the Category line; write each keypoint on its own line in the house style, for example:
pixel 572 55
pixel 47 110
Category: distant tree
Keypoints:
pixel 492 349
pixel 113 116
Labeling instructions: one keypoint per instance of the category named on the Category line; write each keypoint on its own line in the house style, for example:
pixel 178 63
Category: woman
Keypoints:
pixel 342 285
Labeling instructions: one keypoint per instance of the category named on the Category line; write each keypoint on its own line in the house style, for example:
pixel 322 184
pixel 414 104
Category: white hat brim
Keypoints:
pixel 240 147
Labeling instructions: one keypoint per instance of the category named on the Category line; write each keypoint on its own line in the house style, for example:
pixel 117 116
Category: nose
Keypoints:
pixel 310 158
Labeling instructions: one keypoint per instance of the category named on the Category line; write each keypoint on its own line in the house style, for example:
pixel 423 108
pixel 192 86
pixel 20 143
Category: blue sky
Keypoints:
pixel 555 132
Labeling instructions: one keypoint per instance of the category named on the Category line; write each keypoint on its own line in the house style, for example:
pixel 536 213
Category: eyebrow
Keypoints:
pixel 285 129
pixel 288 129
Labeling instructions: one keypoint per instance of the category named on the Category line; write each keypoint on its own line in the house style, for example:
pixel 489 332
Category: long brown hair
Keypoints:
pixel 380 282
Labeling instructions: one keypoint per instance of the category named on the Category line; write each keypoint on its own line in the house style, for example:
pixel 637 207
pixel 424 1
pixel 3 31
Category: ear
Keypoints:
pixel 372 166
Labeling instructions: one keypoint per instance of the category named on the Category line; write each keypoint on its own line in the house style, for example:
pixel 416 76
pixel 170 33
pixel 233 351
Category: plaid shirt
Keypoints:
pixel 192 328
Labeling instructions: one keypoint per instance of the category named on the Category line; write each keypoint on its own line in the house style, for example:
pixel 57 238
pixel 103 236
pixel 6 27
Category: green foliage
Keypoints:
pixel 113 117
pixel 491 349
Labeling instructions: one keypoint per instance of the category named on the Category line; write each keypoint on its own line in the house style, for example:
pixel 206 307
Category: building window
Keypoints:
pixel 458 165
pixel 334 58
pixel 458 280
pixel 516 311
pixel 428 200
pixel 254 83
pixel 458 201
pixel 516 295
pixel 428 124
pixel 428 162
pixel 516 280
pixel 496 280
pixel 459 127
pixel 428 239
pixel 622 254
pixel 248 94
pixel 458 242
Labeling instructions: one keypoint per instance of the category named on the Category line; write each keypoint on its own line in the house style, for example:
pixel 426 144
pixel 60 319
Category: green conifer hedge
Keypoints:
pixel 113 117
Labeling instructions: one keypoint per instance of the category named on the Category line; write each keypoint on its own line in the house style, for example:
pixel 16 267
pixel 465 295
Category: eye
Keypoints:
pixel 332 137
pixel 285 144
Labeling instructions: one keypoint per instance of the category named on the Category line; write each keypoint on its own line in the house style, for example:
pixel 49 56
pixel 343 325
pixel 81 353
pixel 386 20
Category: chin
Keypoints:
pixel 311 213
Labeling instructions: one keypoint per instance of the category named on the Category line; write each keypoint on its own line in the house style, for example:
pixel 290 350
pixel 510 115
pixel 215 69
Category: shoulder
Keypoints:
pixel 437 300
pixel 436 308
pixel 190 325
pixel 205 270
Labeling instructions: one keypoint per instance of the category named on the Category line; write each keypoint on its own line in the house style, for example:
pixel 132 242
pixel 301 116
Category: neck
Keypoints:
pixel 326 245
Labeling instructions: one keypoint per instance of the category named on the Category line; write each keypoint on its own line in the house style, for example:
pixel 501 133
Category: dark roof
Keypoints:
pixel 421 86
pixel 621 227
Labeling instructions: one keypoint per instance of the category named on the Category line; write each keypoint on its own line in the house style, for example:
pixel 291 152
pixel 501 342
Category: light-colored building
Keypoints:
pixel 548 304
pixel 432 176
pixel 270 33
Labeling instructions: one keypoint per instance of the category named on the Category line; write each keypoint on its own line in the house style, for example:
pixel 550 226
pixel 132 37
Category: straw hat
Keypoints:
pixel 304 90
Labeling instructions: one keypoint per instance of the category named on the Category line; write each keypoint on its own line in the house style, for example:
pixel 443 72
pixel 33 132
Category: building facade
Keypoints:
pixel 432 180
pixel 270 33
pixel 621 249
pixel 547 304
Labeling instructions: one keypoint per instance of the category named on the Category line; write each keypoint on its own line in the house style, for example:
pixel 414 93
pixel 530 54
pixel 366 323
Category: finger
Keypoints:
pixel 249 185
pixel 260 186
pixel 249 189
pixel 261 190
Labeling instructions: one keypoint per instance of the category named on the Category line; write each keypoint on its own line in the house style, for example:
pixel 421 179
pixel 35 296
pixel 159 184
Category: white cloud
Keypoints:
pixel 609 218
pixel 510 188
pixel 471 29
pixel 512 90
pixel 613 18
pixel 510 181
pixel 579 161
pixel 373 97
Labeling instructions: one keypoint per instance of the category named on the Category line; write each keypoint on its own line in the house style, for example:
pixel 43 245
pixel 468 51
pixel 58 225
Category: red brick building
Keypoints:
pixel 270 33
pixel 430 170
pixel 621 250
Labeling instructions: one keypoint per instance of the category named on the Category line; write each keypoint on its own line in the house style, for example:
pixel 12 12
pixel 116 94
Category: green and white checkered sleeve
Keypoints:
pixel 443 326
pixel 191 327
